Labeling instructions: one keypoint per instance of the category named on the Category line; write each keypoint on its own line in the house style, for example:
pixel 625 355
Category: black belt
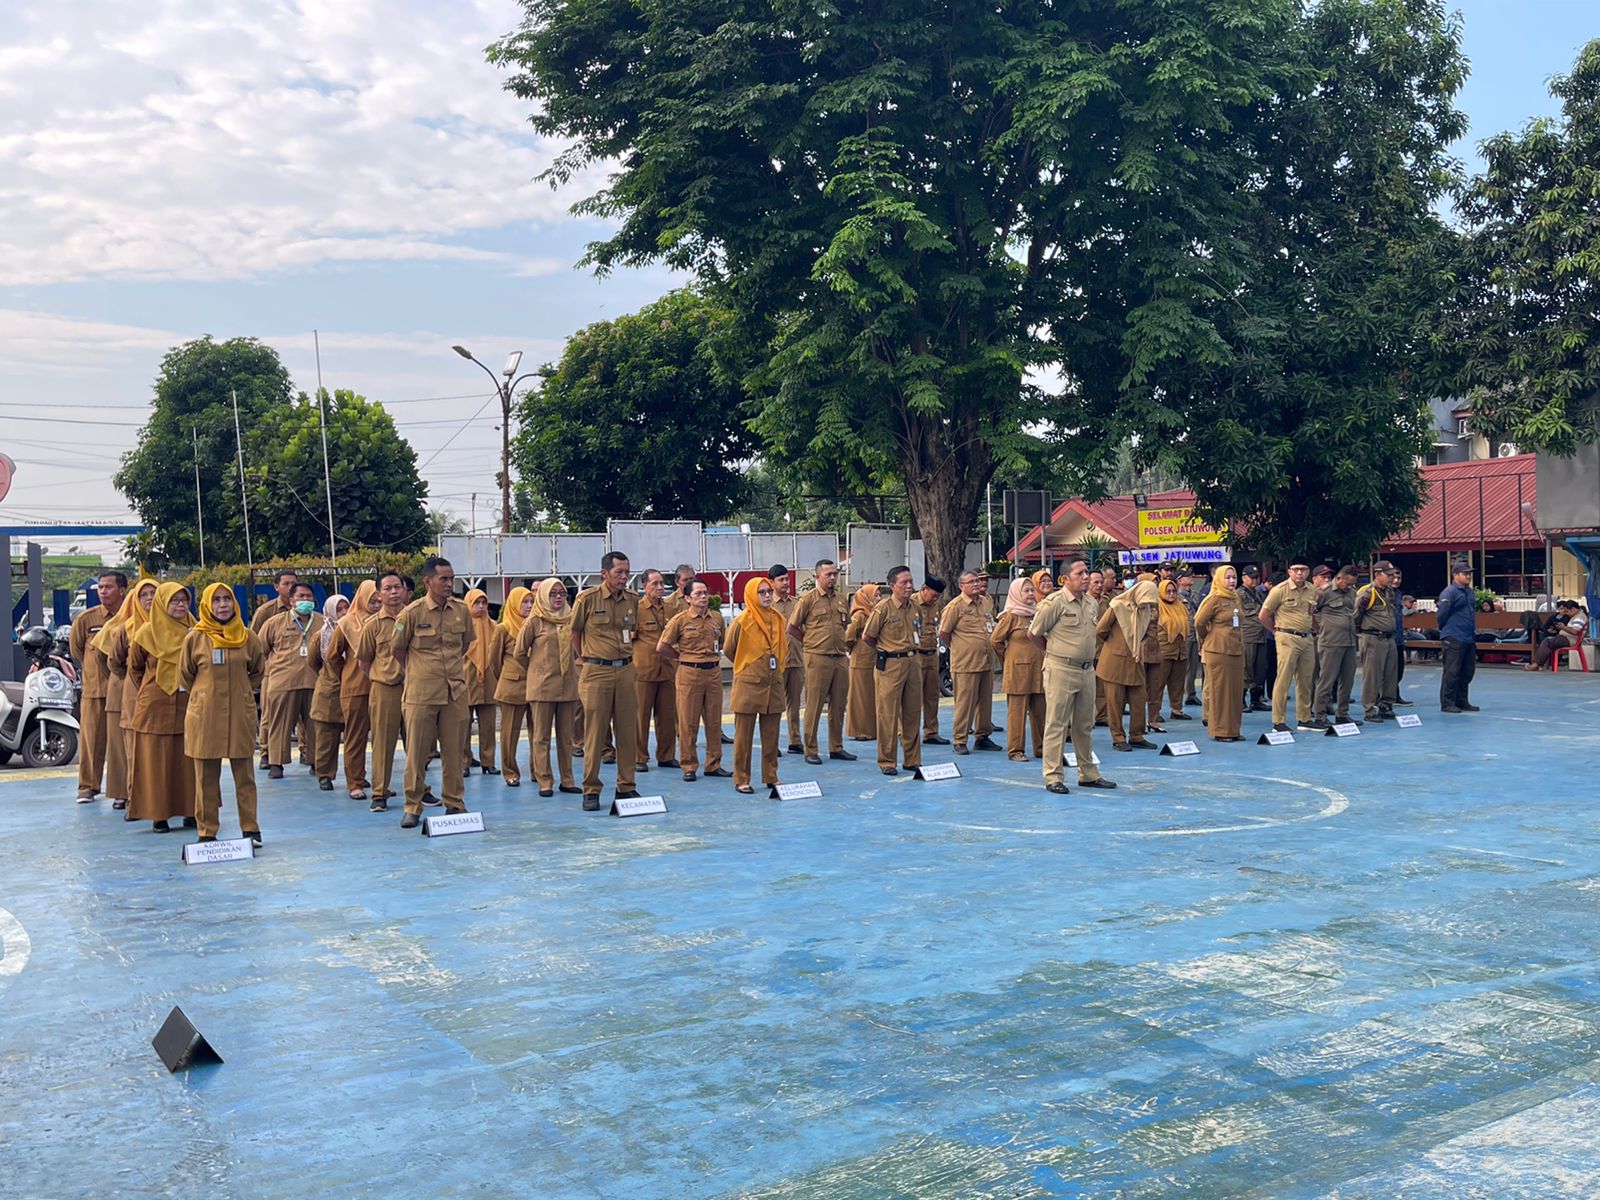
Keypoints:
pixel 896 653
pixel 608 662
pixel 825 654
pixel 1296 632
pixel 1376 633
pixel 928 653
pixel 711 666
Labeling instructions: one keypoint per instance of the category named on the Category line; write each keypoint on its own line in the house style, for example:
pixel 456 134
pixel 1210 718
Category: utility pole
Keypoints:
pixel 327 476
pixel 244 499
pixel 199 509
pixel 505 387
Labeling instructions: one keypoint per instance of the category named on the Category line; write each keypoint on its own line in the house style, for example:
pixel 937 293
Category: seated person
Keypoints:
pixel 1573 625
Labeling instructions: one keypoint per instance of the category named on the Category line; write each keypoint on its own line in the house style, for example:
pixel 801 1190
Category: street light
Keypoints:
pixel 505 387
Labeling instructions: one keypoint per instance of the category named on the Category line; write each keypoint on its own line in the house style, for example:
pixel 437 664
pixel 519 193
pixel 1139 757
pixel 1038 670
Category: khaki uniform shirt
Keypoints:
pixel 120 692
pixel 1067 627
pixel 326 705
pixel 84 630
pixel 822 620
pixel 513 685
pixel 377 637
pixel 1335 612
pixel 928 612
pixel 758 688
pixel 896 627
pixel 675 604
pixel 266 612
pixel 1024 661
pixel 221 719
pixel 607 625
pixel 1289 607
pixel 696 638
pixel 648 665
pixel 967 624
pixel 434 640
pixel 1118 663
pixel 288 647
pixel 481 690
pixel 353 681
pixel 539 651
pixel 148 709
pixel 787 607
pixel 1218 625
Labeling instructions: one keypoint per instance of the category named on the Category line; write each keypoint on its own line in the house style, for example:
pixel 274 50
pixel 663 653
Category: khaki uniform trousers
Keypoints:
pixel 610 698
pixel 827 684
pixel 1021 709
pixel 1101 717
pixel 302 728
pixel 744 732
pixel 511 719
pixel 861 713
pixel 116 756
pixel 485 715
pixel 931 692
pixel 92 743
pixel 430 727
pixel 974 705
pixel 1297 660
pixel 1224 694
pixel 1337 666
pixel 208 794
pixel 1164 677
pixel 658 698
pixel 325 748
pixel 1068 715
pixel 1380 673
pixel 699 704
pixel 563 715
pixel 899 711
pixel 287 709
pixel 1119 696
pixel 357 729
pixel 383 705
pixel 794 691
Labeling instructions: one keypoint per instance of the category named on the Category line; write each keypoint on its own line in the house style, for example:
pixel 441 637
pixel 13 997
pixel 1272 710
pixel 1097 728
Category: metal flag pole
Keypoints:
pixel 327 477
pixel 199 509
pixel 244 499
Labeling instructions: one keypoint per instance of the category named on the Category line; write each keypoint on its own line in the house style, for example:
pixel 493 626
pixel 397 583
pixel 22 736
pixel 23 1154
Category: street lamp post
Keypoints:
pixel 505 387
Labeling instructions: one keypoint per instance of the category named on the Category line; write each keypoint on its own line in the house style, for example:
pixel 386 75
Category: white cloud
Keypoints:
pixel 218 139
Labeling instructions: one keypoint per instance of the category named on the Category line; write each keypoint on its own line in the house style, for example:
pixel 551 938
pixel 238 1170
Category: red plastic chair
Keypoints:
pixel 1583 659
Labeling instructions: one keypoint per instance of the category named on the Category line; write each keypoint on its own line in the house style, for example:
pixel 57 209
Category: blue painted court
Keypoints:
pixel 1358 968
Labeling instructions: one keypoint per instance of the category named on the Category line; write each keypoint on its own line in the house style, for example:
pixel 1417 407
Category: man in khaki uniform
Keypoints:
pixel 895 633
pixel 1064 626
pixel 682 576
pixel 964 629
pixel 817 625
pixel 1286 616
pixel 113 587
pixel 605 625
pixel 929 597
pixel 794 671
pixel 283 602
pixel 658 695
pixel 290 678
pixel 430 642
pixel 388 682
pixel 692 643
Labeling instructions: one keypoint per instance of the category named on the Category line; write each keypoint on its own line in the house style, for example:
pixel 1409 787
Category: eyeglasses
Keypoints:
pixel 763 591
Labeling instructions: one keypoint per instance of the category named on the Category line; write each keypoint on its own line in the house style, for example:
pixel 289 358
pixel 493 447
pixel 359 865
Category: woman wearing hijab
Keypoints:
pixel 1123 634
pixel 116 756
pixel 327 712
pixel 1165 673
pixel 354 686
pixel 511 687
pixel 544 648
pixel 483 678
pixel 1022 668
pixel 221 664
pixel 1043 585
pixel 163 777
pixel 387 680
pixel 861 709
pixel 1216 625
pixel 758 646
pixel 118 635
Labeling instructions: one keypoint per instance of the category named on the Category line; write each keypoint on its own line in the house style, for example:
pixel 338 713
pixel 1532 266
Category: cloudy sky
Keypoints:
pixel 268 167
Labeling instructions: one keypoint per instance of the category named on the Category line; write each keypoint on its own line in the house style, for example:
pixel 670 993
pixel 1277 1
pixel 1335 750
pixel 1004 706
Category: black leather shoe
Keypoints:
pixel 626 796
pixel 962 750
pixel 491 770
pixel 726 740
pixel 935 740
pixel 566 790
pixel 667 762
pixel 1180 716
pixel 689 776
pixel 254 835
pixel 644 766
pixel 720 773
pixel 1122 746
pixel 842 755
pixel 429 800
pixel 1192 699
pixel 1058 789
pixel 1096 783
pixel 1144 744
pixel 814 759
pixel 160 827
pixel 274 772
pixel 325 785
pixel 1402 702
pixel 190 823
pixel 986 743
pixel 591 804
pixel 1465 707
pixel 1452 709
pixel 410 821
pixel 792 748
pixel 547 792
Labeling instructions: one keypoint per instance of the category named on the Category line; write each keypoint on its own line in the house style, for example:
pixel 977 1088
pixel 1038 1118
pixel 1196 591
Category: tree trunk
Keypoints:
pixel 944 488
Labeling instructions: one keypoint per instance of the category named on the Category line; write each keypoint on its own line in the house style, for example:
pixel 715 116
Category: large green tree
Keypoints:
pixel 378 497
pixel 1525 338
pixel 642 417
pixel 1307 434
pixel 915 201
pixel 193 403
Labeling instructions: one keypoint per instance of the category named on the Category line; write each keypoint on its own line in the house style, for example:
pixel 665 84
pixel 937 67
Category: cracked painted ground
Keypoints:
pixel 1339 970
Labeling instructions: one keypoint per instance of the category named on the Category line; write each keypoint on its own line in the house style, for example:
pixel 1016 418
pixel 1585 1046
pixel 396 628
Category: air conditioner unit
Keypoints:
pixel 1505 450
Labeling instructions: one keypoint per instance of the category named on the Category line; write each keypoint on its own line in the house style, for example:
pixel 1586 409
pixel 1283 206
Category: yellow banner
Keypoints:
pixel 1176 527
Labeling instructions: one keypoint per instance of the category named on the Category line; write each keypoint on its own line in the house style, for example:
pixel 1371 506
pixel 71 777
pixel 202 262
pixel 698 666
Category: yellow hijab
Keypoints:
pixel 511 612
pixel 1131 619
pixel 1174 616
pixel 162 637
pixel 483 629
pixel 224 635
pixel 561 618
pixel 1039 594
pixel 350 624
pixel 1217 586
pixel 866 599
pixel 760 629
pixel 129 616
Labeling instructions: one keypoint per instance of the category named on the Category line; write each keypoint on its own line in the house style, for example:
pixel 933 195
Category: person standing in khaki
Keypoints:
pixel 1286 617
pixel 1123 634
pixel 432 637
pixel 283 602
pixel 794 670
pixel 327 713
pixel 544 650
pixel 1335 615
pixel 928 599
pixel 1063 627
pixel 290 680
pixel 354 686
pixel 483 680
pixel 511 692
pixel 965 630
pixel 682 576
pixel 658 694
pixel 1165 673
pixel 894 632
pixel 222 664
pixel 1217 627
pixel 861 714
pixel 1376 615
pixel 1023 670
pixel 387 679
pixel 818 625
pixel 115 640
pixel 162 786
pixel 605 624
pixel 92 701
pixel 1043 588
pixel 692 643
pixel 756 646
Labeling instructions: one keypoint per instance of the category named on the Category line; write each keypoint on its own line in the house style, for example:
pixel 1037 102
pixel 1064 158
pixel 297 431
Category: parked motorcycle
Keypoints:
pixel 36 715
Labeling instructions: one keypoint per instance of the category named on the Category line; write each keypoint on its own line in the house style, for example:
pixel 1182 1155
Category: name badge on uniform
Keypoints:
pixel 772 662
pixel 1236 618
pixel 218 656
pixel 303 650
pixel 627 636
